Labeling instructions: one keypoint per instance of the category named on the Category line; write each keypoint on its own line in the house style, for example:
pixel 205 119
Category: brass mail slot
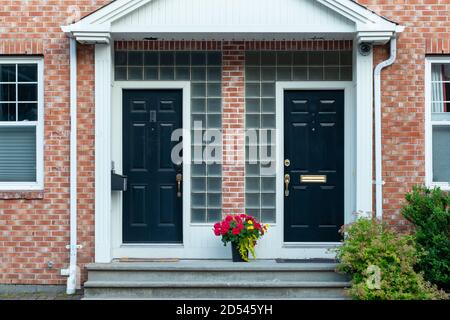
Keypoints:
pixel 313 178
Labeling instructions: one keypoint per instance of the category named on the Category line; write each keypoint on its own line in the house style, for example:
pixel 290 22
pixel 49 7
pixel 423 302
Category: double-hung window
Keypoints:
pixel 438 121
pixel 21 123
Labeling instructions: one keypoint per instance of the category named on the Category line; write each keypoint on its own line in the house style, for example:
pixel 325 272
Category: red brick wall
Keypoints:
pixel 34 226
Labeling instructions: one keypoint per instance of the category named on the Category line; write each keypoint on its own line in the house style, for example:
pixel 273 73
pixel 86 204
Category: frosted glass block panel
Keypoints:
pixel 252 105
pixel 198 184
pixel 300 58
pixel 214 121
pixel 268 215
pixel 198 90
pixel 200 119
pixel 198 215
pixel 268 200
pixel 252 170
pixel 198 170
pixel 268 168
pixel 331 58
pixel 254 213
pixel 214 215
pixel 214 74
pixel 252 74
pixel 167 59
pixel 284 58
pixel 182 73
pixel 268 90
pixel 252 184
pixel 215 184
pixel 268 121
pixel 198 105
pixel 331 73
pixel 346 58
pixel 441 153
pixel 197 153
pixel 182 58
pixel 315 58
pixel 252 58
pixel 284 73
pixel 346 73
pixel 151 58
pixel 198 58
pixel 151 73
pixel 198 200
pixel 135 73
pixel 214 200
pixel 252 200
pixel 252 90
pixel 300 73
pixel 252 121
pixel 268 73
pixel 214 90
pixel 214 105
pixel 121 73
pixel 214 58
pixel 198 74
pixel 268 105
pixel 316 73
pixel 167 73
pixel 268 184
pixel 268 58
pixel 214 170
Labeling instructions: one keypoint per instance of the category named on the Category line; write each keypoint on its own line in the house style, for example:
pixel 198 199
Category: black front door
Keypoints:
pixel 313 165
pixel 152 204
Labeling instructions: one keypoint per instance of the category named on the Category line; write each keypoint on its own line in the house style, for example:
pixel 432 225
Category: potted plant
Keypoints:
pixel 243 231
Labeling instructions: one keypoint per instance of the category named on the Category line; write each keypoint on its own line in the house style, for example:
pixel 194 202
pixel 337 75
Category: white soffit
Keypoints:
pixel 232 19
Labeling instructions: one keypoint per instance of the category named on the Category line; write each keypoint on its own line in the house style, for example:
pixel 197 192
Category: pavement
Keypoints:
pixel 40 296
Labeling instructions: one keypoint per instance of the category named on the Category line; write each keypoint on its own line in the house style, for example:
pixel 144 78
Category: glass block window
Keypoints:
pixel 263 69
pixel 440 123
pixel 20 123
pixel 204 71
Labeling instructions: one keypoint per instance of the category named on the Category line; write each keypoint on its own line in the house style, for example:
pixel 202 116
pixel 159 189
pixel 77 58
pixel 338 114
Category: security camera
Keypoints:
pixel 365 48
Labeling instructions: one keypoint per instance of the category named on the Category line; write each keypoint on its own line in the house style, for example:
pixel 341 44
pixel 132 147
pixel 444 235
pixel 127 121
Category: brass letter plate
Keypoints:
pixel 313 178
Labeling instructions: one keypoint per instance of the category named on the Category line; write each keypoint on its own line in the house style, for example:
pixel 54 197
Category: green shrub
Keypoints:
pixel 370 249
pixel 429 211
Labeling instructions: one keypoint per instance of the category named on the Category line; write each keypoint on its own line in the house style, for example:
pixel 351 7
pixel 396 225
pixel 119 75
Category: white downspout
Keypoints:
pixel 72 272
pixel 378 153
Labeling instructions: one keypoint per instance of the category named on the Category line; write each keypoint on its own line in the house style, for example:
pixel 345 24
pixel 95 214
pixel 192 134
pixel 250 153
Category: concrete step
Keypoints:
pixel 215 290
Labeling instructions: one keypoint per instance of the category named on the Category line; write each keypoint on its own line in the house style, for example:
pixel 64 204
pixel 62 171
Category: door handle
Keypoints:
pixel 179 178
pixel 287 180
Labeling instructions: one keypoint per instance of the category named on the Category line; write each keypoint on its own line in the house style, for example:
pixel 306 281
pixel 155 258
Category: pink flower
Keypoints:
pixel 217 232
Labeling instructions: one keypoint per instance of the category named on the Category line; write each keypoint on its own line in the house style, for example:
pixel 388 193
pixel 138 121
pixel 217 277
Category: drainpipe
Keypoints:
pixel 72 271
pixel 378 153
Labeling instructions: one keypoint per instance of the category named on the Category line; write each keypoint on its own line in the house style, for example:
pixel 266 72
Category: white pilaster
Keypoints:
pixel 363 78
pixel 103 78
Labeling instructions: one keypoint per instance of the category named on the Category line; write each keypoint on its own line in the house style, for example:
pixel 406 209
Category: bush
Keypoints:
pixel 381 264
pixel 429 211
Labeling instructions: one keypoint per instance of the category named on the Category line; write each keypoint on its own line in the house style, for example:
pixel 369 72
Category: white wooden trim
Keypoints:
pixel 349 155
pixel 39 124
pixel 363 78
pixel 103 77
pixel 428 124
pixel 119 249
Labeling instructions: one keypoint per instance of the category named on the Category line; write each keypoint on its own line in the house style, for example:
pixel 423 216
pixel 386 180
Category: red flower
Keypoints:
pixel 217 232
pixel 236 231
pixel 240 226
pixel 229 218
pixel 257 226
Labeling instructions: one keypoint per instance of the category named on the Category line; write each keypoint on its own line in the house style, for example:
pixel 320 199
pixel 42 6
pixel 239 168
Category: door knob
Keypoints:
pixel 287 180
pixel 179 178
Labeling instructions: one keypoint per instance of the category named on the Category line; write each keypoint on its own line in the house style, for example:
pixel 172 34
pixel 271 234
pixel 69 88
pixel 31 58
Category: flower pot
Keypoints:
pixel 236 256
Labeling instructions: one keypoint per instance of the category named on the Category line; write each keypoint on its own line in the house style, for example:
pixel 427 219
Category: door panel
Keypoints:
pixel 314 144
pixel 152 211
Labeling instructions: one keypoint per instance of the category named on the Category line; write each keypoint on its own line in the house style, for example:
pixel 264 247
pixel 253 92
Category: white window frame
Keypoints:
pixel 429 123
pixel 39 124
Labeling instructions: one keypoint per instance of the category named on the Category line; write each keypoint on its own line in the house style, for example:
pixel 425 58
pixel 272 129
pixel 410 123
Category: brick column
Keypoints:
pixel 233 125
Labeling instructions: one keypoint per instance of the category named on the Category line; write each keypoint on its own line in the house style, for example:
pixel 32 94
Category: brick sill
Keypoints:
pixel 26 195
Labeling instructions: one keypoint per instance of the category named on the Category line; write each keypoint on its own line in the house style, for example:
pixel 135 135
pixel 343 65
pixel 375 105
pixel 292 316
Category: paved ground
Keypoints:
pixel 40 296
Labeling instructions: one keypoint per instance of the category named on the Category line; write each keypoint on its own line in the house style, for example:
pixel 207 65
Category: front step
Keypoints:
pixel 261 279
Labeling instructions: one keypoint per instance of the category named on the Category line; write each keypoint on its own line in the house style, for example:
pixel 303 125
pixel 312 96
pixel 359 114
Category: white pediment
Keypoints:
pixel 231 19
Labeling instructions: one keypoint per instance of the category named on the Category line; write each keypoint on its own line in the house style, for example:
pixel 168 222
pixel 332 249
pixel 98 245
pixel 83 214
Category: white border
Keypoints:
pixel 160 250
pixel 428 123
pixel 39 124
pixel 349 151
